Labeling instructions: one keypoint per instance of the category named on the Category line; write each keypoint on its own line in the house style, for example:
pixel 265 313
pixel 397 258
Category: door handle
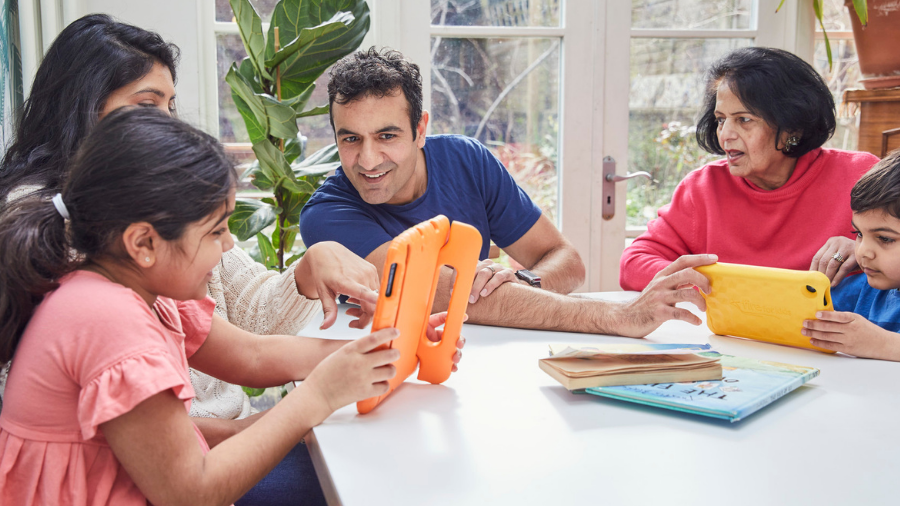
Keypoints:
pixel 610 178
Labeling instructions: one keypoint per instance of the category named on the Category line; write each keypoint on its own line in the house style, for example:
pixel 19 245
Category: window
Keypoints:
pixel 501 85
pixel 844 73
pixel 673 43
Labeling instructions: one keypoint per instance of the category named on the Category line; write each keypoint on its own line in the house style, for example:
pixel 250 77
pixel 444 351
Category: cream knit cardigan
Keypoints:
pixel 250 297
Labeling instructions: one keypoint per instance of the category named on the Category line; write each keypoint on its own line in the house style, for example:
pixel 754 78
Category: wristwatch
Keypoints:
pixel 529 277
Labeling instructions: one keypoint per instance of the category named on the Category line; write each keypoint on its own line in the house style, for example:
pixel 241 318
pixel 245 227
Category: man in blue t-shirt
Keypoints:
pixel 392 177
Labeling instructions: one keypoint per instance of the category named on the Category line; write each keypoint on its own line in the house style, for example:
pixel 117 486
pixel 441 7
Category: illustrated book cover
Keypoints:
pixel 747 386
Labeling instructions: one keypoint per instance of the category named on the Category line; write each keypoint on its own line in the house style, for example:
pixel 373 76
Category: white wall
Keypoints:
pixel 177 21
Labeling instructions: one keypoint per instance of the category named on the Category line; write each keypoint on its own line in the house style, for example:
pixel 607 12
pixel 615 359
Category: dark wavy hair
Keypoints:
pixel 376 73
pixel 777 86
pixel 879 189
pixel 138 165
pixel 91 58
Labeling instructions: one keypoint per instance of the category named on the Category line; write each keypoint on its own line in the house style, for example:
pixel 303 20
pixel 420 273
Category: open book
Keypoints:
pixel 630 364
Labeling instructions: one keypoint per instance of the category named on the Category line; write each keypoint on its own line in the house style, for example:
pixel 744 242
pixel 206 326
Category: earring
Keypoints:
pixel 147 260
pixel 791 143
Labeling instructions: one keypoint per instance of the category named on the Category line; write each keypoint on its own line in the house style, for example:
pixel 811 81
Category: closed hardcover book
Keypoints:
pixel 629 364
pixel 747 386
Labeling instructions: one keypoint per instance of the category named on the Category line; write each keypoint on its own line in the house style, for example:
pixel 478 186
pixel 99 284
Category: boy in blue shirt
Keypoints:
pixel 867 307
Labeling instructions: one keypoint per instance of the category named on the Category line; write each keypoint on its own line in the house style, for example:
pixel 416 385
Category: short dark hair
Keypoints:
pixel 138 165
pixel 777 86
pixel 879 189
pixel 91 58
pixel 376 73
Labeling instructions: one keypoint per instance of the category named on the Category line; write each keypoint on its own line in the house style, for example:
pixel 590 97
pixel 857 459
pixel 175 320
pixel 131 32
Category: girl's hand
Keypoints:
pixel 328 270
pixel 824 261
pixel 354 372
pixel 435 335
pixel 852 334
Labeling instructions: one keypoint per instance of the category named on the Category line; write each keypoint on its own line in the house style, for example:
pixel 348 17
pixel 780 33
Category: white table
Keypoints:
pixel 501 431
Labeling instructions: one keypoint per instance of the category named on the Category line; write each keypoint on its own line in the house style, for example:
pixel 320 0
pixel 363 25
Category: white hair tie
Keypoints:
pixel 60 206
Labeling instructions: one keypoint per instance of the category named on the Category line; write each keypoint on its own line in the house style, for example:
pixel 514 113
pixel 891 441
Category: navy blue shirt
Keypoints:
pixel 465 182
pixel 881 307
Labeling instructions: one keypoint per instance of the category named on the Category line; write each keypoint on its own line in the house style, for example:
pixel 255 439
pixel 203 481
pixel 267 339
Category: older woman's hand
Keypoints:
pixel 826 260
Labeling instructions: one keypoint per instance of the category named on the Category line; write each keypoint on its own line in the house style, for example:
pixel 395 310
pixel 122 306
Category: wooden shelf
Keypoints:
pixel 879 112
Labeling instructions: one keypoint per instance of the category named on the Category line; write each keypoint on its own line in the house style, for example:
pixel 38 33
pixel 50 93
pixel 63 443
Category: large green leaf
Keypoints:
pixel 297 186
pixel 327 154
pixel 271 161
pixel 267 252
pixel 256 131
pixel 241 87
pixel 246 69
pixel 274 117
pixel 292 203
pixel 282 118
pixel 303 68
pixel 299 102
pixel 319 163
pixel 249 218
pixel 250 28
pixel 315 111
pixel 308 36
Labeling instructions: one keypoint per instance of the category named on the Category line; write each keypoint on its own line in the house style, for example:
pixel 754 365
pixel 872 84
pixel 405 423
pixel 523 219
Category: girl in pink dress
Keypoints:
pixel 103 302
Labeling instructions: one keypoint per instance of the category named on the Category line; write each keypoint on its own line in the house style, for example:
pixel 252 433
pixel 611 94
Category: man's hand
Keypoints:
pixel 328 270
pixel 656 304
pixel 488 276
pixel 852 334
pixel 824 261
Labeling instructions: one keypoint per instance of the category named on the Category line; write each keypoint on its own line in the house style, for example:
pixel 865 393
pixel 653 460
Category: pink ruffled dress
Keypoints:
pixel 92 351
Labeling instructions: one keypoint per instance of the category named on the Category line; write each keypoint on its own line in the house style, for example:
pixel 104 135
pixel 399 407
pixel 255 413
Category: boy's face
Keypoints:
pixel 878 248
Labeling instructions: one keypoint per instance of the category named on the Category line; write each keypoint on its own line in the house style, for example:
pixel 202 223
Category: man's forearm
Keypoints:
pixel 561 270
pixel 520 306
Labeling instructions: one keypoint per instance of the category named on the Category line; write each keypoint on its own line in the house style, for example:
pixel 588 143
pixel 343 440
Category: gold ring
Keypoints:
pixel 837 256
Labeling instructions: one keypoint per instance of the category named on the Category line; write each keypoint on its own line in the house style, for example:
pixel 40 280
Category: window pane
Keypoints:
pixel 495 12
pixel 317 129
pixel 505 93
pixel 263 7
pixel 835 16
pixel 666 94
pixel 691 14
pixel 844 75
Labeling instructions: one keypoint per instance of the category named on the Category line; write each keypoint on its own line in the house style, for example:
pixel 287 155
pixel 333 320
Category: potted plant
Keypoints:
pixel 876 38
pixel 876 31
pixel 271 88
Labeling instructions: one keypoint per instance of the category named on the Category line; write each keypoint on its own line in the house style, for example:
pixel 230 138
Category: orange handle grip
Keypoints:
pixel 461 253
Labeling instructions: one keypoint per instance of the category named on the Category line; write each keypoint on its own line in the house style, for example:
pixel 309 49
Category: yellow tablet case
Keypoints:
pixel 764 303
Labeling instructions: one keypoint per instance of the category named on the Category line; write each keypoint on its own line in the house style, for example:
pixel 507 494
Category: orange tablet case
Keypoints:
pixel 408 284
pixel 764 303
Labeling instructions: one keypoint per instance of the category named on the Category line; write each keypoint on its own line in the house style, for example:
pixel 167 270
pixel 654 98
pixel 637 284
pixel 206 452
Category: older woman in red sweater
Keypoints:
pixel 778 199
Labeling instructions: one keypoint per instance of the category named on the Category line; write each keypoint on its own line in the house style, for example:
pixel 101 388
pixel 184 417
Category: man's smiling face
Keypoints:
pixel 377 150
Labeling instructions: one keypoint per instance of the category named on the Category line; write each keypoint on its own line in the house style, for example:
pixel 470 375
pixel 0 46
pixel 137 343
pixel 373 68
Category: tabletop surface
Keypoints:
pixel 501 431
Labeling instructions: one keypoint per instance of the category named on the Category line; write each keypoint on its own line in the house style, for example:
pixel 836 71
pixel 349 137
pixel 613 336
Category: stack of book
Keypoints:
pixel 630 364
pixel 665 376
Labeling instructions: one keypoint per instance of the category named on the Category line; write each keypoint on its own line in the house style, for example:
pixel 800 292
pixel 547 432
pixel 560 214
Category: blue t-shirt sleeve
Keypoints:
pixel 342 223
pixel 510 211
pixel 845 296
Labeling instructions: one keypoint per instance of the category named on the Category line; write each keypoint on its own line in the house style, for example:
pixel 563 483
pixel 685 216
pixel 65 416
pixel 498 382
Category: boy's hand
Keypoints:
pixel 824 261
pixel 852 334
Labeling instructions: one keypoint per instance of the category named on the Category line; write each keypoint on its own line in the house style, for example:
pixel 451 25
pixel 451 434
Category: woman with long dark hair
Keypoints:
pixel 97 65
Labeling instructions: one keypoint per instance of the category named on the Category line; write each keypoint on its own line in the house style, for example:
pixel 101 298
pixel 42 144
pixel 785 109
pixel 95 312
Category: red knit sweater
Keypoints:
pixel 715 212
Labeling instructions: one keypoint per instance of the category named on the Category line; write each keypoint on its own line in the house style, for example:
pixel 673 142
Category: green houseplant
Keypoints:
pixel 271 88
pixel 859 6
